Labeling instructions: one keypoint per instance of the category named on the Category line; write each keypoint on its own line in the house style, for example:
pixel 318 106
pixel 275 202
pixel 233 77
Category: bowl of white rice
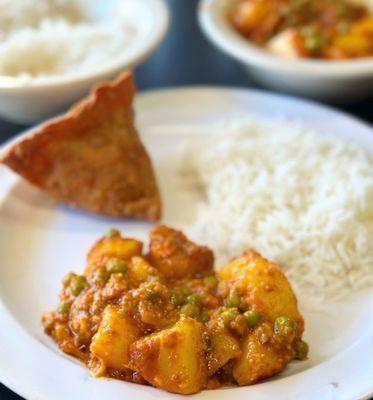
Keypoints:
pixel 53 51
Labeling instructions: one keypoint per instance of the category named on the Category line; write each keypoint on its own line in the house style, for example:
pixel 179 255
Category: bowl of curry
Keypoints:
pixel 314 48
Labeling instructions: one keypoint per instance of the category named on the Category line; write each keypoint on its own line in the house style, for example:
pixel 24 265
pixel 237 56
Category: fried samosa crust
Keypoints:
pixel 92 157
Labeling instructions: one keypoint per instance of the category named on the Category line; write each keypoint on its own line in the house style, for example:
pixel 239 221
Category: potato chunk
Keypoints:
pixel 224 347
pixel 172 359
pixel 255 19
pixel 176 257
pixel 263 287
pixel 116 246
pixel 288 44
pixel 264 354
pixel 113 339
pixel 141 271
pixel 352 45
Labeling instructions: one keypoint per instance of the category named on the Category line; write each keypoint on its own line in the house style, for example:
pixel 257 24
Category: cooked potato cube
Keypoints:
pixel 288 43
pixel 263 355
pixel 353 45
pixel 172 359
pixel 113 339
pixel 364 27
pixel 263 287
pixel 116 246
pixel 141 271
pixel 255 18
pixel 175 256
pixel 224 347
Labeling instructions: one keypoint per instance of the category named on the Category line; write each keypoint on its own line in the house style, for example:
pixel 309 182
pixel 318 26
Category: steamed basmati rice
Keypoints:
pixel 301 200
pixel 46 38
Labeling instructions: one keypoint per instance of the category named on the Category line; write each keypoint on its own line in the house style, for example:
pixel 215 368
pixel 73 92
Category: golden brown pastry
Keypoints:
pixel 92 157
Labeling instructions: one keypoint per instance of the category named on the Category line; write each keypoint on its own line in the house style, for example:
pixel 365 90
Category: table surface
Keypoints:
pixel 186 58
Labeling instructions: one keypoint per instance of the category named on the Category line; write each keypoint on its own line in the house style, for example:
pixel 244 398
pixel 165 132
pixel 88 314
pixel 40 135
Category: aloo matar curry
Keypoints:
pixel 166 318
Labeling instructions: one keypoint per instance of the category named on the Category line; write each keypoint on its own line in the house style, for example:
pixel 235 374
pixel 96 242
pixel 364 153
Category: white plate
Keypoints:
pixel 40 242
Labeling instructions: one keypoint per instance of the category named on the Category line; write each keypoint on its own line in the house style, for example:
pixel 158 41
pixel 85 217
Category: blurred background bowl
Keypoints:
pixel 31 100
pixel 333 81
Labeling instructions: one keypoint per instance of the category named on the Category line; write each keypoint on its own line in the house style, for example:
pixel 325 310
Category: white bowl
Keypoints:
pixel 336 81
pixel 32 100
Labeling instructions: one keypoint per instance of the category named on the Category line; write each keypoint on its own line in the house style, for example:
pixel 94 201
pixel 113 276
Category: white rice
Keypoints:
pixel 301 200
pixel 44 38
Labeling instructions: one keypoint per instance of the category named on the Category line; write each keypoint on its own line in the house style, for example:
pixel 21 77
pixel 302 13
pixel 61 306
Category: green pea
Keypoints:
pixel 233 300
pixel 298 6
pixel 68 278
pixel 99 277
pixel 230 314
pixel 312 39
pixel 206 338
pixel 193 299
pixel 252 318
pixel 210 281
pixel 63 308
pixel 313 44
pixel 115 266
pixel 177 297
pixel 152 296
pixel 343 11
pixel 78 284
pixel 191 310
pixel 343 27
pixel 204 316
pixel 157 278
pixel 283 325
pixel 301 348
pixel 185 290
pixel 112 233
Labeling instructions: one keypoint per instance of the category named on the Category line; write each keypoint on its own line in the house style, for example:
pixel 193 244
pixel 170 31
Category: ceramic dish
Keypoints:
pixel 34 100
pixel 41 242
pixel 338 81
